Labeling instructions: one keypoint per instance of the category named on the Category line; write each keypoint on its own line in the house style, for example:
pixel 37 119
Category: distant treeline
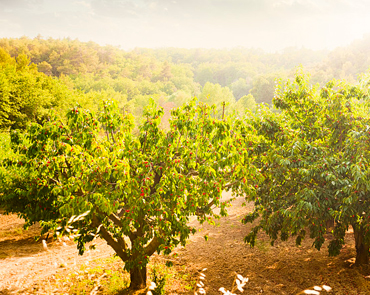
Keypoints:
pixel 40 74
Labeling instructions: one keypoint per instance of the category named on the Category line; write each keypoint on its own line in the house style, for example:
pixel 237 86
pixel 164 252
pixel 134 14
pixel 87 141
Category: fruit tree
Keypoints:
pixel 314 165
pixel 95 176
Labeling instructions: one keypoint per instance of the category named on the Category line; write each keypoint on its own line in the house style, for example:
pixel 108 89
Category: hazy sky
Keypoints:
pixel 267 24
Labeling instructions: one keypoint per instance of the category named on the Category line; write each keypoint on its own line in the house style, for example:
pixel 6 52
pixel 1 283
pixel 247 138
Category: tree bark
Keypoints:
pixel 362 248
pixel 138 278
pixel 329 225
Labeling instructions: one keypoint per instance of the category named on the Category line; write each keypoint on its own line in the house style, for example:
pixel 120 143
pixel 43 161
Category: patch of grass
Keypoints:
pixel 178 278
pixel 12 232
pixel 159 283
pixel 107 276
pixel 116 281
pixel 262 245
pixel 103 275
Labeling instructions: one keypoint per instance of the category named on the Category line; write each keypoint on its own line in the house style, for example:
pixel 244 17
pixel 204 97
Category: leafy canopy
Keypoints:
pixel 313 161
pixel 93 177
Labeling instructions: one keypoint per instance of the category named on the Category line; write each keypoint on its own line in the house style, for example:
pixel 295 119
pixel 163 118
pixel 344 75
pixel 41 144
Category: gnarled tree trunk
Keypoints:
pixel 362 248
pixel 138 278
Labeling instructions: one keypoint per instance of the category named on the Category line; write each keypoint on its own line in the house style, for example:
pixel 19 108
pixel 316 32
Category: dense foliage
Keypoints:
pixel 131 78
pixel 304 164
pixel 172 76
pixel 26 94
pixel 163 74
pixel 313 158
pixel 136 192
pixel 5 146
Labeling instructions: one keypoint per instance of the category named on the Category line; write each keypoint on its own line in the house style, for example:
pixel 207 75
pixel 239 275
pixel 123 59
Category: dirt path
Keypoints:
pixel 281 269
pixel 24 261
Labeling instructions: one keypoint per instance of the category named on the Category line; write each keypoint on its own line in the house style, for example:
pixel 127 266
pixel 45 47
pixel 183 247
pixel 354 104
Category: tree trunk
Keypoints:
pixel 138 278
pixel 362 248
pixel 329 225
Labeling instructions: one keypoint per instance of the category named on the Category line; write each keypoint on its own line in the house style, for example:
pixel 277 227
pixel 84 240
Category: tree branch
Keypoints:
pixel 152 246
pixel 192 173
pixel 117 247
pixel 202 210
pixel 231 184
pixel 116 220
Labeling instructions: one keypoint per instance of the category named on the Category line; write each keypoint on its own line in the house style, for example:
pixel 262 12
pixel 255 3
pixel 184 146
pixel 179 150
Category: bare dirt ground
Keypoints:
pixel 25 265
pixel 25 261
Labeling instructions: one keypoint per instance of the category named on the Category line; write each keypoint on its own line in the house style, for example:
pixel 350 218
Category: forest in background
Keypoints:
pixel 39 74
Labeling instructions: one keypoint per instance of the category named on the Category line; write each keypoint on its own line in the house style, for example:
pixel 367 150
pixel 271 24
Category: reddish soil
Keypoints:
pixel 279 269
